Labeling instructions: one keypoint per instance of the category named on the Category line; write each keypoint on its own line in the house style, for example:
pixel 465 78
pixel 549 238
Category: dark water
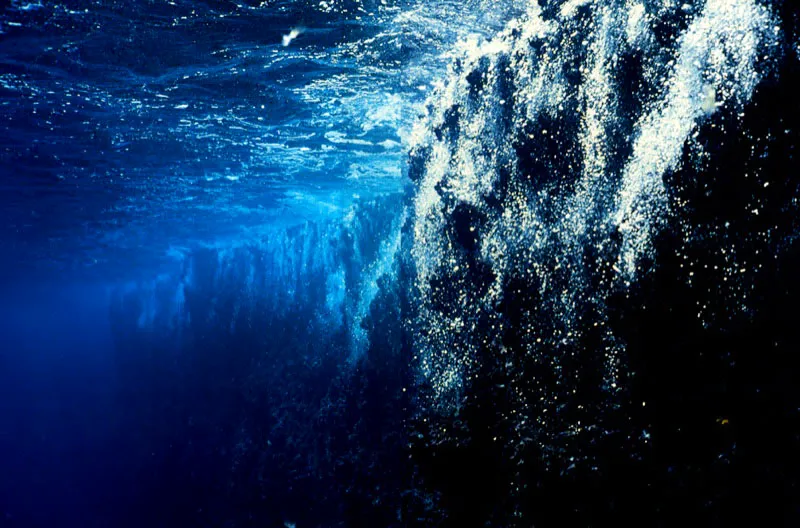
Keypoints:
pixel 365 263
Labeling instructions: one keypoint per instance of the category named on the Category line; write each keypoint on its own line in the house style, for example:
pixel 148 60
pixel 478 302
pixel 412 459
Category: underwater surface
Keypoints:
pixel 399 263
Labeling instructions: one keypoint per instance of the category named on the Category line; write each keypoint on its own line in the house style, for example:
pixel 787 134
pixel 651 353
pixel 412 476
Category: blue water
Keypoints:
pixel 141 127
pixel 59 419
pixel 399 263
pixel 136 133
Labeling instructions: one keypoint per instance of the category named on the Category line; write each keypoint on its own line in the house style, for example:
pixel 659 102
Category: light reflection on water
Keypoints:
pixel 174 123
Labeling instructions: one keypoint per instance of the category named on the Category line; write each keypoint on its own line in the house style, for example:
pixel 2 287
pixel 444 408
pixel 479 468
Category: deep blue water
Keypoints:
pixel 399 263
pixel 60 422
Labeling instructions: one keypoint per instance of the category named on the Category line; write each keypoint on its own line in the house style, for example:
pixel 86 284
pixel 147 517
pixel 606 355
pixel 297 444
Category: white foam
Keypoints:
pixel 713 65
pixel 293 34
pixel 717 53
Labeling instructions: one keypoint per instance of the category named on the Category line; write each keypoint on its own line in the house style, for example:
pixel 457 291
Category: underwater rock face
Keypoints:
pixel 603 221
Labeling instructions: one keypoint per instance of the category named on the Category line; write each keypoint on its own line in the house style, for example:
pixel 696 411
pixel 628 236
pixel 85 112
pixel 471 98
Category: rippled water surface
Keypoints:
pixel 130 127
